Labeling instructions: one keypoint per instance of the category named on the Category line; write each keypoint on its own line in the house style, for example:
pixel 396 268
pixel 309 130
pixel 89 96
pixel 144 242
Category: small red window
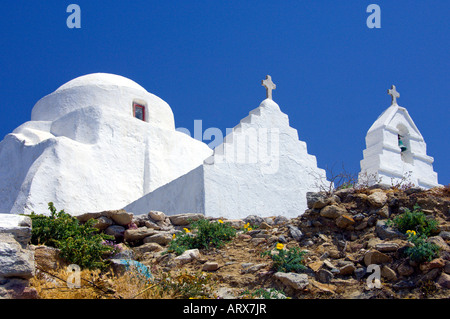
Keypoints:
pixel 139 111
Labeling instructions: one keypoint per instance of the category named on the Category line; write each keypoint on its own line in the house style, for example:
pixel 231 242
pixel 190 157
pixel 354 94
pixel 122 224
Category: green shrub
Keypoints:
pixel 286 260
pixel 78 243
pixel 262 293
pixel 415 220
pixel 185 285
pixel 204 235
pixel 421 251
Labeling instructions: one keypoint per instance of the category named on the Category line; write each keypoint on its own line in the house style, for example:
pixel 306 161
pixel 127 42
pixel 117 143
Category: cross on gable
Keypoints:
pixel 269 85
pixel 394 94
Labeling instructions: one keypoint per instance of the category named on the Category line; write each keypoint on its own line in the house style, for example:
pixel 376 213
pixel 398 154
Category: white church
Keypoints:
pixel 102 142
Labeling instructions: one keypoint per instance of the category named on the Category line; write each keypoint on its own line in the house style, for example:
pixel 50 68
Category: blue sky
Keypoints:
pixel 207 60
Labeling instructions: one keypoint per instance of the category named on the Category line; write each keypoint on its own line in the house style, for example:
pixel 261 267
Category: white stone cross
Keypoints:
pixel 394 94
pixel 269 85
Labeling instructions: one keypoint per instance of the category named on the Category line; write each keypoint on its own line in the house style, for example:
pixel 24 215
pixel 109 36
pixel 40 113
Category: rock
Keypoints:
pixel 316 200
pixel 265 225
pixel 157 216
pixel 161 238
pixel 87 216
pixel 447 267
pixel 120 266
pixel 387 247
pixel 388 273
pixel 48 258
pixel 435 263
pixel 15 261
pixel 404 269
pixel 377 199
pixel 293 280
pixel 17 288
pixel 120 217
pixel 279 220
pixel 323 287
pixel 18 226
pixel 117 231
pixel 404 284
pixel 376 257
pixel 210 266
pixel 431 275
pixel 445 235
pixel 254 220
pixel 344 221
pixel 316 265
pixel 188 256
pixel 347 269
pixel 103 222
pixel 362 225
pixel 133 235
pixel 440 242
pixel 386 232
pixel 332 211
pixel 444 280
pixel 360 273
pixel 383 212
pixel 148 247
pixel 295 233
pixel 185 219
pixel 324 276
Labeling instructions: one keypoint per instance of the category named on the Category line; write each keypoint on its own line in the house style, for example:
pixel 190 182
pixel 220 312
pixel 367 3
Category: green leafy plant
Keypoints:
pixel 415 220
pixel 422 250
pixel 286 260
pixel 79 244
pixel 185 285
pixel 205 234
pixel 262 293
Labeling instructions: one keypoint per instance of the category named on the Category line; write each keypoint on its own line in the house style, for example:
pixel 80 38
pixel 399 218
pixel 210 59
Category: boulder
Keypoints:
pixel 117 231
pixel 48 258
pixel 157 216
pixel 444 280
pixel 18 226
pixel 386 232
pixel 103 222
pixel 184 219
pixel 295 233
pixel 188 256
pixel 161 238
pixel 210 266
pixel 387 247
pixel 332 211
pixel 377 199
pixel 120 217
pixel 15 261
pixel 133 235
pixel 344 221
pixel 316 200
pixel 148 247
pixel 293 280
pixel 376 257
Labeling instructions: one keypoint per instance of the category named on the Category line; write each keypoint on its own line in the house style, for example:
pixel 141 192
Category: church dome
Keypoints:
pixel 101 79
pixel 108 93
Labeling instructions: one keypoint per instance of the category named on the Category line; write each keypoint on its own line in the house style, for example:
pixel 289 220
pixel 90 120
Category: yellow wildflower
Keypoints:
pixel 247 225
pixel 410 233
pixel 186 230
pixel 173 236
pixel 249 228
pixel 280 246
pixel 220 221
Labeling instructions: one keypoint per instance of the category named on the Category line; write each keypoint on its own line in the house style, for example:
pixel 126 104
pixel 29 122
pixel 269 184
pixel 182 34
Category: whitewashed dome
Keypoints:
pixel 110 93
pixel 101 79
